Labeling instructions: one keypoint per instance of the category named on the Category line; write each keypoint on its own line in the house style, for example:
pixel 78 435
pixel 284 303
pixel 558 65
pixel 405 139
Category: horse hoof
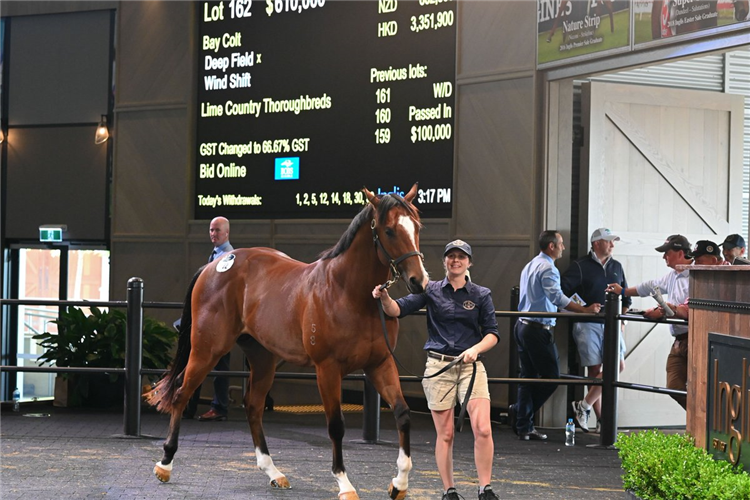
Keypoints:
pixel 396 494
pixel 162 474
pixel 348 495
pixel 281 483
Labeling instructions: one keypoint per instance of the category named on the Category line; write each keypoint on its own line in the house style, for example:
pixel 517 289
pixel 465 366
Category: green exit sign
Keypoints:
pixel 50 234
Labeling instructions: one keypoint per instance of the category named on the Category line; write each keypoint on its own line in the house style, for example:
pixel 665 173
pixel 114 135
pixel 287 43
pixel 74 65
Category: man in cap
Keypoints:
pixel 675 283
pixel 537 352
pixel 588 278
pixel 705 253
pixel 734 248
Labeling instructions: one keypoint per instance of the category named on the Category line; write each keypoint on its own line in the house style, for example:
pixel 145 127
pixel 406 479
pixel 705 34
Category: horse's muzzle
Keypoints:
pixel 414 284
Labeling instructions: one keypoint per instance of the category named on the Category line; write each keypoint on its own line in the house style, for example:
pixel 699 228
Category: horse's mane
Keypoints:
pixel 387 202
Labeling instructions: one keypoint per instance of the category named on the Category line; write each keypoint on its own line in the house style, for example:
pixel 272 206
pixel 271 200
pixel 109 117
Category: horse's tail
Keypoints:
pixel 163 394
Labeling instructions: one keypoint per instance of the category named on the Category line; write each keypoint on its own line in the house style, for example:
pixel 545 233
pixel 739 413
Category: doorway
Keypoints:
pixel 46 273
pixel 649 156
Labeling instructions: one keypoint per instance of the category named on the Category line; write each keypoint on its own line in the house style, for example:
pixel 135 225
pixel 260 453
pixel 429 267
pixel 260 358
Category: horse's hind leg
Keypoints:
pixel 263 368
pixel 329 385
pixel 386 382
pixel 195 372
pixel 163 468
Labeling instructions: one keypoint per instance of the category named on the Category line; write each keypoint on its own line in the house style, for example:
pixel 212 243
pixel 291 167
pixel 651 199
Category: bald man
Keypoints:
pixel 218 231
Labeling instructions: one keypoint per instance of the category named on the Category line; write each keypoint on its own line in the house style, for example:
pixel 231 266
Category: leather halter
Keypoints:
pixel 392 263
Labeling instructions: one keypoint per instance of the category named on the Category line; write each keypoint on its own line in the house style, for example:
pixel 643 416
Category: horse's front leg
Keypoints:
pixel 329 385
pixel 386 382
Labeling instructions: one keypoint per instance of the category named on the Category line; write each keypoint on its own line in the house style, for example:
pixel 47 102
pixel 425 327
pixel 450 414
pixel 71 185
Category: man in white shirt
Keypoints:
pixel 675 283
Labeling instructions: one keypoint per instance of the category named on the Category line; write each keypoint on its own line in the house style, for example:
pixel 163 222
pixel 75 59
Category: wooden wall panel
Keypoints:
pixel 52 7
pixel 728 284
pixel 63 182
pixel 496 37
pixel 154 60
pixel 150 187
pixel 153 145
pixel 159 264
pixel 494 175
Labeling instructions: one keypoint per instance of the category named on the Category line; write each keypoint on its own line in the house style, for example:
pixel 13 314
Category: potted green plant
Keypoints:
pixel 660 466
pixel 98 340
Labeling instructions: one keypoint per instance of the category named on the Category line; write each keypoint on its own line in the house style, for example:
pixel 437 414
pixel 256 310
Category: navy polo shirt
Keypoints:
pixel 456 320
pixel 589 279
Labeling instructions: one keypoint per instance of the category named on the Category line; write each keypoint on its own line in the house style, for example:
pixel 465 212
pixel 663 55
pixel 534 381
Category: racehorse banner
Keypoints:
pixel 661 19
pixel 572 28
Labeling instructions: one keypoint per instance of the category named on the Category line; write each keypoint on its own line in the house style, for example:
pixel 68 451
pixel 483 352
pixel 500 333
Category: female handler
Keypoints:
pixel 461 323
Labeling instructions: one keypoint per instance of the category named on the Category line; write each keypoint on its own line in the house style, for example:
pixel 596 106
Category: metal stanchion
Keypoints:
pixel 515 294
pixel 370 414
pixel 133 357
pixel 610 371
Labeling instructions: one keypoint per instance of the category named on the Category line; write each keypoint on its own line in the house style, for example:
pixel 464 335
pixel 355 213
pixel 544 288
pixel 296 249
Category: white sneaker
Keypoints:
pixel 598 427
pixel 581 415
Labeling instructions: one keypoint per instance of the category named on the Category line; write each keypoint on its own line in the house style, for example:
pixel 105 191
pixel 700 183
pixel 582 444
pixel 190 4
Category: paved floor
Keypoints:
pixel 77 454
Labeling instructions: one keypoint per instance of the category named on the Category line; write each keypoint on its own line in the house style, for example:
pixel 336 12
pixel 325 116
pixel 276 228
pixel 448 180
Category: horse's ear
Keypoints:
pixel 371 197
pixel 412 193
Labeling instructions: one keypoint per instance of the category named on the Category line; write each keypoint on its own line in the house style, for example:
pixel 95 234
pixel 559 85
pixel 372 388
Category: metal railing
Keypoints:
pixel 133 370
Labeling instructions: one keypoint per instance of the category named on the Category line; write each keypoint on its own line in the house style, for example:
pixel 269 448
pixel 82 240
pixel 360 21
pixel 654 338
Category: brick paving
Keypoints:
pixel 81 454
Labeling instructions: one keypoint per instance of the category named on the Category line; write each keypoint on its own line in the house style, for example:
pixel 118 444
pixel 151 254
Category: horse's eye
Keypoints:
pixel 390 232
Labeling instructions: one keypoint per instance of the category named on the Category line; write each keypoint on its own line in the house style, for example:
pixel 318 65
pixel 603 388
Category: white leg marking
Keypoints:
pixel 344 484
pixel 165 467
pixel 265 463
pixel 401 481
pixel 410 227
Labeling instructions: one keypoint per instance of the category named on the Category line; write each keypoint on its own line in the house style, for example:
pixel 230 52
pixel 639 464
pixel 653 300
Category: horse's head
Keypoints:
pixel 741 9
pixel 395 230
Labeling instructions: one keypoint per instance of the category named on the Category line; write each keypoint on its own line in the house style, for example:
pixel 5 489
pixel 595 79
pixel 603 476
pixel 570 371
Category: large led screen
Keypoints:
pixel 301 103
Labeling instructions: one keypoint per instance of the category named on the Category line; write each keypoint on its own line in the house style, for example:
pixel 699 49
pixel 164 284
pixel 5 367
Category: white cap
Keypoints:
pixel 603 234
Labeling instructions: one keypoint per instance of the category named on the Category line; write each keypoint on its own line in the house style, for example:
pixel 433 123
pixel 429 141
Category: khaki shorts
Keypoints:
pixel 441 391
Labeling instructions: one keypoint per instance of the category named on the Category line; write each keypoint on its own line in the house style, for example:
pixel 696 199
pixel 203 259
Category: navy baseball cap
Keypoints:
pixel 460 244
pixel 706 247
pixel 734 240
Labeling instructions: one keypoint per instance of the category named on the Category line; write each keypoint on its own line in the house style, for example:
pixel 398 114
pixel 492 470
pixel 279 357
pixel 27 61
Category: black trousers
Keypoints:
pixel 537 353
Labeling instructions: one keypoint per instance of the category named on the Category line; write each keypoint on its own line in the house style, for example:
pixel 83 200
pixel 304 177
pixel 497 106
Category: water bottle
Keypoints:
pixel 16 400
pixel 570 433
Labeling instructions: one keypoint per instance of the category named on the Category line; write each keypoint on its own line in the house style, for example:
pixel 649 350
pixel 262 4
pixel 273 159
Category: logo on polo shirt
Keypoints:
pixel 469 305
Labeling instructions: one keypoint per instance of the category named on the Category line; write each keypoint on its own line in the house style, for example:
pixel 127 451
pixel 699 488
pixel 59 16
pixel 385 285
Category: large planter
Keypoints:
pixel 65 392
pixel 94 390
pixel 102 392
